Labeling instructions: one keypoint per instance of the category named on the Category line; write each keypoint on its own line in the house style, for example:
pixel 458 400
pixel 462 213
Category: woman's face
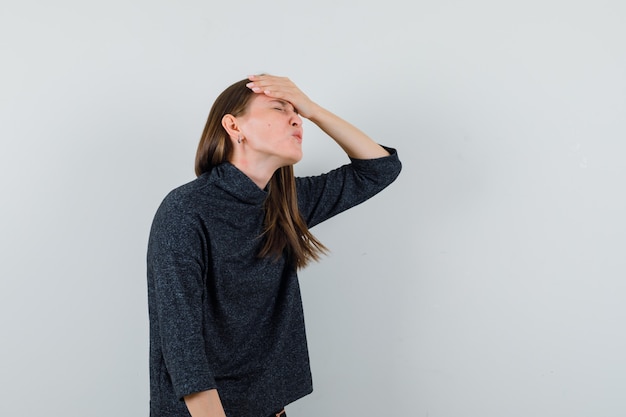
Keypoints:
pixel 272 129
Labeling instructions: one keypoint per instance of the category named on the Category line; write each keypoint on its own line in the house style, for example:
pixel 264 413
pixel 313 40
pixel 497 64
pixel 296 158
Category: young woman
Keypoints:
pixel 227 333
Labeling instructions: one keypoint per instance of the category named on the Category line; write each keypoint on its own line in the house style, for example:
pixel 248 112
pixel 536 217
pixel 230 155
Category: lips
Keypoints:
pixel 298 136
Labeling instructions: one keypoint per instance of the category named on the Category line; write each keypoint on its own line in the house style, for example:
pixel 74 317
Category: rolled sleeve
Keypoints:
pixel 324 196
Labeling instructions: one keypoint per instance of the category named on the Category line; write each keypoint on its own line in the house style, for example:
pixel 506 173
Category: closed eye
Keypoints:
pixel 283 106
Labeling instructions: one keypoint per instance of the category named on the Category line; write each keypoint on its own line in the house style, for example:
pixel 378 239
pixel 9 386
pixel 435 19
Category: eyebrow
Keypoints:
pixel 284 103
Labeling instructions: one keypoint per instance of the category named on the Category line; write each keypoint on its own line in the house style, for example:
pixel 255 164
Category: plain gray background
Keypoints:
pixel 487 281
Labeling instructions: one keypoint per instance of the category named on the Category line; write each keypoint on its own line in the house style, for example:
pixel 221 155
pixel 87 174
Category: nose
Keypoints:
pixel 296 120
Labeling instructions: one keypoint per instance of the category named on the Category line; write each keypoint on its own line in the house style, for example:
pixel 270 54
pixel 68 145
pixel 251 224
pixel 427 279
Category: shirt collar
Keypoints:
pixel 230 179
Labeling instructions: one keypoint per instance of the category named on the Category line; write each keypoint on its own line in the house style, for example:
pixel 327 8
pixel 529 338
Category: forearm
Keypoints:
pixel 352 140
pixel 205 404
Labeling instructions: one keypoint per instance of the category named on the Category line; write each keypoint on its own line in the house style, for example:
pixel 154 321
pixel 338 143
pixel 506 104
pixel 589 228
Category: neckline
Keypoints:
pixel 232 180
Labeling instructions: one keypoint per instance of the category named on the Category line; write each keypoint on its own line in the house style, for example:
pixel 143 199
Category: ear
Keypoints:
pixel 230 124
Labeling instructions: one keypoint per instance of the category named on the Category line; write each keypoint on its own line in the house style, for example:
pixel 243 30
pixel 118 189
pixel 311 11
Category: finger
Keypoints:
pixel 273 89
pixel 263 80
pixel 254 87
pixel 265 77
pixel 276 87
pixel 267 81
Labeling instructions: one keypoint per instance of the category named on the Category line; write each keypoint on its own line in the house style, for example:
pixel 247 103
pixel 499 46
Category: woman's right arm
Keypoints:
pixel 177 261
pixel 205 404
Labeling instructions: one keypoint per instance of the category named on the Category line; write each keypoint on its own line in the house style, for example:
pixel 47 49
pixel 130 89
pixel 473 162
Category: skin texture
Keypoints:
pixel 205 404
pixel 269 136
pixel 270 133
pixel 269 130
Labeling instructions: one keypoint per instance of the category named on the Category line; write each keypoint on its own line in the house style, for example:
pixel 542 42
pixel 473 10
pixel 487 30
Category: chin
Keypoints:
pixel 291 161
pixel 295 159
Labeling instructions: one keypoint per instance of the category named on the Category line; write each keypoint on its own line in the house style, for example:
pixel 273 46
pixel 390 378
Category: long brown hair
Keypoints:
pixel 285 232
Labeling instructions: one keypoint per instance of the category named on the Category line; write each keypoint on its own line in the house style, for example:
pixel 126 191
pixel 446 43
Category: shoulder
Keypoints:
pixel 187 195
pixel 183 203
pixel 179 218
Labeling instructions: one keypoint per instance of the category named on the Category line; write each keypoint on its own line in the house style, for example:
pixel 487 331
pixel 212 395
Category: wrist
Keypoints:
pixel 314 113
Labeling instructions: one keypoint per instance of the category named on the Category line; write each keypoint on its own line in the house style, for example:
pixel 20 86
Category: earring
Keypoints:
pixel 238 139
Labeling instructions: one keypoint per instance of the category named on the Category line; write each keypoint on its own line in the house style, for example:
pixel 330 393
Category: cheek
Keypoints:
pixel 260 130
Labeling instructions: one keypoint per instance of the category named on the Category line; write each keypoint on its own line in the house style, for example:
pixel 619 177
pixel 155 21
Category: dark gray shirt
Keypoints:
pixel 220 317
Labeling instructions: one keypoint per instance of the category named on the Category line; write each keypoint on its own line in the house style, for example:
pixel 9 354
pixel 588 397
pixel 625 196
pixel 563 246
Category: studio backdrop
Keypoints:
pixel 487 281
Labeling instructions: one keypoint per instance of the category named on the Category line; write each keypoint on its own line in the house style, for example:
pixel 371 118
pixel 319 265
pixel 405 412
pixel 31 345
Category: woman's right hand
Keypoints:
pixel 205 404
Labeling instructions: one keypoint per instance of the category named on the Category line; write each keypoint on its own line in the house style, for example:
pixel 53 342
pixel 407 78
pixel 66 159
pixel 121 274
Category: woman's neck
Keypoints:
pixel 260 173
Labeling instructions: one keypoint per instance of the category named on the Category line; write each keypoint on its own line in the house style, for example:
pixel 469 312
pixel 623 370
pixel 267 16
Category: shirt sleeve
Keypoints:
pixel 324 196
pixel 177 293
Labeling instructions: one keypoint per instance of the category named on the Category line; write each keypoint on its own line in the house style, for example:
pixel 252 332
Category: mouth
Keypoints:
pixel 298 137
